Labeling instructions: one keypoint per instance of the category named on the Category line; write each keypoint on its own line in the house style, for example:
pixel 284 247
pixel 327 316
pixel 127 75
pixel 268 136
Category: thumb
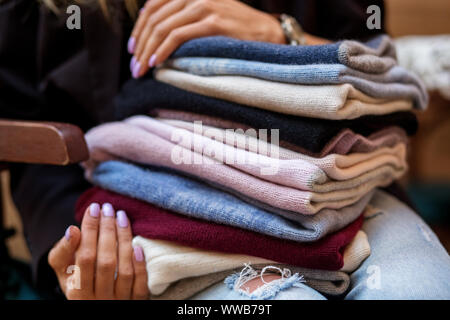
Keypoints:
pixel 63 253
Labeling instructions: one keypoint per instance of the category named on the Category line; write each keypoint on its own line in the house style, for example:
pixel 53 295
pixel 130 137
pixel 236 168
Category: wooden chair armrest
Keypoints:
pixel 41 142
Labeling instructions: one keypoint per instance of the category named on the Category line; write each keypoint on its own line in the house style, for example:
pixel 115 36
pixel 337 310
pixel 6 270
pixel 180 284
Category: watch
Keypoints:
pixel 292 30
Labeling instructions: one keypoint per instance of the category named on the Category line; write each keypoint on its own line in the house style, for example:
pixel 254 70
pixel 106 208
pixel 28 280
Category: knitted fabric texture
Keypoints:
pixel 345 142
pixel 336 166
pixel 396 83
pixel 140 97
pixel 194 199
pixel 374 56
pixel 168 262
pixel 334 102
pixel 356 252
pixel 133 140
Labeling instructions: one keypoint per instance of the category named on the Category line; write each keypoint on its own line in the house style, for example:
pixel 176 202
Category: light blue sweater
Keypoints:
pixel 187 196
pixel 396 83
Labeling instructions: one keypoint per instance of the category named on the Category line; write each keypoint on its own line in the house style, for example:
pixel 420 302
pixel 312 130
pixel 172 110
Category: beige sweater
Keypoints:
pixel 325 101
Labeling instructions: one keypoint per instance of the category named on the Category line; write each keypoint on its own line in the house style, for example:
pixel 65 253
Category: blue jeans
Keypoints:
pixel 407 261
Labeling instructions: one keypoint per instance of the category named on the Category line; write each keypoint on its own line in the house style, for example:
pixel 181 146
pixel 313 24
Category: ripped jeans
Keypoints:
pixel 407 261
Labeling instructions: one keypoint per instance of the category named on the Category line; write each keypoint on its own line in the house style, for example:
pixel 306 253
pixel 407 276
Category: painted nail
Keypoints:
pixel 140 10
pixel 132 63
pixel 122 219
pixel 136 69
pixel 151 62
pixel 108 210
pixel 138 254
pixel 131 45
pixel 94 210
pixel 67 234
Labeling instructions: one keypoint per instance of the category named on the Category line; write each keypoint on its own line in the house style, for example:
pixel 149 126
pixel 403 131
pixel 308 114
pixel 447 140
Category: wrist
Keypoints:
pixel 276 32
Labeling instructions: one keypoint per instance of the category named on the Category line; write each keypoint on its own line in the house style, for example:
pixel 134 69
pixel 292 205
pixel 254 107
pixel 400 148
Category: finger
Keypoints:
pixel 152 27
pixel 106 254
pixel 62 255
pixel 207 27
pixel 184 17
pixel 155 17
pixel 125 272
pixel 140 288
pixel 87 250
pixel 149 7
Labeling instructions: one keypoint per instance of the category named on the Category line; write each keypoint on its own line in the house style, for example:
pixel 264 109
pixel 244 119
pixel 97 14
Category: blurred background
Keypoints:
pixel 422 33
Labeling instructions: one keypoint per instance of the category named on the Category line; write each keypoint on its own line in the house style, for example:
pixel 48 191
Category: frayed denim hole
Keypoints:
pixel 269 289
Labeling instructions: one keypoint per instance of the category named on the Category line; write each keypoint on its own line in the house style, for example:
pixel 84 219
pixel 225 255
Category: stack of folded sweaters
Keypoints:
pixel 251 157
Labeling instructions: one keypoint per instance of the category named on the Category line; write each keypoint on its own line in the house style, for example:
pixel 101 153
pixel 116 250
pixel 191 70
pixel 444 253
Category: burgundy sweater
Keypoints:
pixel 156 223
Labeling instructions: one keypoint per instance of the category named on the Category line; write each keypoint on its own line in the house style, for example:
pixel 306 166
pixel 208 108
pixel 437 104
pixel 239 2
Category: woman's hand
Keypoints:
pixel 163 25
pixel 86 261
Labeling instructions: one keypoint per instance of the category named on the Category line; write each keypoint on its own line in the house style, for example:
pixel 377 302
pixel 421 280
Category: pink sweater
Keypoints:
pixel 292 186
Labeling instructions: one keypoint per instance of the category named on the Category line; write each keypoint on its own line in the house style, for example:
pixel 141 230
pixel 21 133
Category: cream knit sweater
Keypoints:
pixel 325 101
pixel 168 262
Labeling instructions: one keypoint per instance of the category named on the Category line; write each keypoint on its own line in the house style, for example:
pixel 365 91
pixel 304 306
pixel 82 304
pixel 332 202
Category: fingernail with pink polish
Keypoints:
pixel 151 62
pixel 136 69
pixel 108 210
pixel 132 63
pixel 122 219
pixel 94 210
pixel 138 254
pixel 140 10
pixel 131 45
pixel 67 234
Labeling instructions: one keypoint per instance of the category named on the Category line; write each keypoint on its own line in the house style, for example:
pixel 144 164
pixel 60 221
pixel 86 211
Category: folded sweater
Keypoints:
pixel 374 56
pixel 345 142
pixel 153 222
pixel 197 200
pixel 232 146
pixel 168 262
pixel 335 102
pixel 134 140
pixel 140 97
pixel 396 83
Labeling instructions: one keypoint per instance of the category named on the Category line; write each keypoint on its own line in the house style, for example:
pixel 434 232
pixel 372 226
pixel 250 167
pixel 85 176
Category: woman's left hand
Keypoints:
pixel 98 261
pixel 163 25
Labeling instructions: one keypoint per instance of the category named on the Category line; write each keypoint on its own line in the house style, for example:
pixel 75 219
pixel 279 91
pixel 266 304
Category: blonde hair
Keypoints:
pixel 56 5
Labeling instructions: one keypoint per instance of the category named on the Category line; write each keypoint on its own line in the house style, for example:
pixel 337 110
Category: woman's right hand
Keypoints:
pixel 86 261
